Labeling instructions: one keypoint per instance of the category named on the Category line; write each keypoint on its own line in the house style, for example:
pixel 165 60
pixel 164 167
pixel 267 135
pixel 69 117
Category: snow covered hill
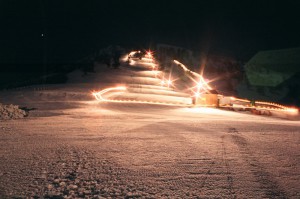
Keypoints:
pixel 143 85
pixel 74 146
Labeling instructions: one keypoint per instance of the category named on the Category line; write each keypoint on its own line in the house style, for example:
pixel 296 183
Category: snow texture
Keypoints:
pixel 11 112
pixel 72 146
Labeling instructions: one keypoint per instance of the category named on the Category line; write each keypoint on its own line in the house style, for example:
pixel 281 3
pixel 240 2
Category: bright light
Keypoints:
pixel 293 110
pixel 200 85
pixel 167 82
pixel 149 53
pixel 98 95
pixel 181 65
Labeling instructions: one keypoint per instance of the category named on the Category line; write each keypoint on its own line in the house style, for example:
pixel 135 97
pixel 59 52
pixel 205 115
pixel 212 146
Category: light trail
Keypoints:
pixel 275 106
pixel 168 82
pixel 99 96
pixel 200 88
pixel 260 106
pixel 201 80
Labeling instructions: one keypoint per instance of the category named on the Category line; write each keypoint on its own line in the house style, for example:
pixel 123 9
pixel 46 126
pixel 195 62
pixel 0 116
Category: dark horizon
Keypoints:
pixel 66 31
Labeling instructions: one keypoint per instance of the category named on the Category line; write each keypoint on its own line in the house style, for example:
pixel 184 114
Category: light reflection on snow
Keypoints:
pixel 205 110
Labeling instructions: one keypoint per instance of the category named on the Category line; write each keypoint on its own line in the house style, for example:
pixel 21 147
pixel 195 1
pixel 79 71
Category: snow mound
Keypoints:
pixel 11 112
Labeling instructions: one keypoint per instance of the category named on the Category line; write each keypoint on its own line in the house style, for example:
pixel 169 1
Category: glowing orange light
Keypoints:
pixel 149 53
pixel 201 87
pixel 293 110
pixel 98 95
pixel 202 84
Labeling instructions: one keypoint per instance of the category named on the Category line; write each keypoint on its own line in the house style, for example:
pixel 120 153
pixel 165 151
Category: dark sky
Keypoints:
pixel 73 29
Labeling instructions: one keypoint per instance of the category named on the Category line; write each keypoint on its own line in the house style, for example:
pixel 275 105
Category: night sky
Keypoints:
pixel 67 30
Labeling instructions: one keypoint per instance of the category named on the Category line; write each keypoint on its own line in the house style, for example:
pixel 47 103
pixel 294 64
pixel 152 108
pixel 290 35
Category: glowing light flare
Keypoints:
pixel 149 54
pixel 197 94
pixel 204 83
pixel 293 110
pixel 169 83
pixel 201 84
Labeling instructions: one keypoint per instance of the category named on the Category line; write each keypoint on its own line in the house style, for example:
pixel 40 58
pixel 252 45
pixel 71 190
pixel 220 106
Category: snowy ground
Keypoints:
pixel 74 146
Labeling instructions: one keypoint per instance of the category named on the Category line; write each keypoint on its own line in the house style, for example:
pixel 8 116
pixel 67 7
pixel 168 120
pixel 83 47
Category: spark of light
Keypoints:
pixel 201 80
pixel 169 83
pixel 149 53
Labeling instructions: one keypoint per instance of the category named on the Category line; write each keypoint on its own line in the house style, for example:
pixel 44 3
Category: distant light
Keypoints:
pixel 292 110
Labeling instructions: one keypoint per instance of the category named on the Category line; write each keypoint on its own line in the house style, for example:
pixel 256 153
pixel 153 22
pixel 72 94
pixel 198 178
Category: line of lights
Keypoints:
pixel 99 96
pixel 201 84
pixel 280 107
pixel 202 87
pixel 266 105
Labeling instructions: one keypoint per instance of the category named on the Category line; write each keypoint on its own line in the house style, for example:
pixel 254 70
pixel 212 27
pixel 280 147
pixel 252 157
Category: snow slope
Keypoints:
pixel 73 146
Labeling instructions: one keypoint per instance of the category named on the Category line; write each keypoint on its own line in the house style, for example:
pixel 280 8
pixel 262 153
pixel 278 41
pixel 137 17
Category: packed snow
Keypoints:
pixel 73 146
pixel 11 112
